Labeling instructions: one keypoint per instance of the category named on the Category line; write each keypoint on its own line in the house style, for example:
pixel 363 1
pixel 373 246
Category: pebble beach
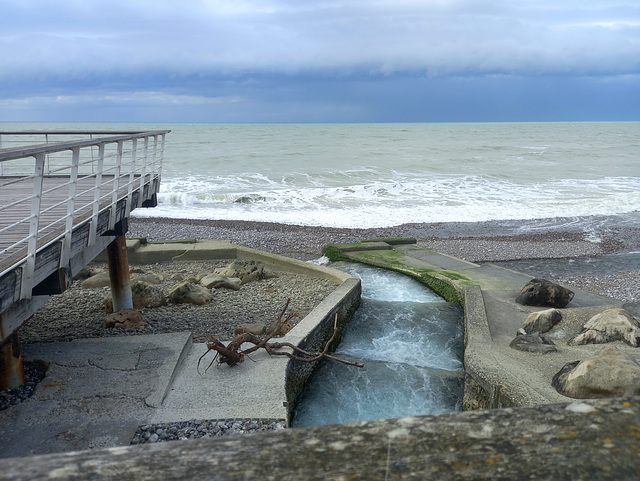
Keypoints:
pixel 474 242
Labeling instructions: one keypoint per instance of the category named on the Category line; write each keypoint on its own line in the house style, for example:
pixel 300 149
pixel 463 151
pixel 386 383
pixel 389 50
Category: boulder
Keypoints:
pixel 535 343
pixel 247 271
pixel 217 281
pixel 540 292
pixel 542 321
pixel 610 372
pixel 187 292
pixel 257 328
pixel 125 319
pixel 609 326
pixel 99 280
pixel 143 296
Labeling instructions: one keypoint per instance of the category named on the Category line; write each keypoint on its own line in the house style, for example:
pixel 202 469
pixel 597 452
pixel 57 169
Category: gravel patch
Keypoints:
pixel 79 313
pixel 34 372
pixel 492 250
pixel 624 286
pixel 197 428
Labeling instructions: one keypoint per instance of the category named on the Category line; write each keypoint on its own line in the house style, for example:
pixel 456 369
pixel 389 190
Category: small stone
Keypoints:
pixel 125 319
pixel 256 328
pixel 187 292
pixel 542 321
pixel 534 343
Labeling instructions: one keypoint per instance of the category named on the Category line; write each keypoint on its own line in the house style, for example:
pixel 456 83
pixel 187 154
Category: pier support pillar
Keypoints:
pixel 11 368
pixel 119 274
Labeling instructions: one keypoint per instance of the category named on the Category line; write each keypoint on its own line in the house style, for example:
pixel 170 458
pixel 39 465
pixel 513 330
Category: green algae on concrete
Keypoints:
pixel 447 283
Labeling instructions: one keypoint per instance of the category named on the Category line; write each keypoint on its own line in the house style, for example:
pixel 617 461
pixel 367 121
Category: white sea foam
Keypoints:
pixel 392 202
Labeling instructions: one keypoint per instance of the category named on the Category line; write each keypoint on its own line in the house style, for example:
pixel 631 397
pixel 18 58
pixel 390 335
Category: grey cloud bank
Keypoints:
pixel 385 60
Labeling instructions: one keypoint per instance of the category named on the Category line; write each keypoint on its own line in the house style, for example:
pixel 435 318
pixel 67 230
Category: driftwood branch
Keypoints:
pixel 232 355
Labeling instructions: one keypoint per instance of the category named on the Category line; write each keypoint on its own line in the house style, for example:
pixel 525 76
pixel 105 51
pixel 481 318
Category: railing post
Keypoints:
pixel 116 187
pixel 34 224
pixel 71 205
pixel 96 196
pixel 161 155
pixel 143 173
pixel 132 175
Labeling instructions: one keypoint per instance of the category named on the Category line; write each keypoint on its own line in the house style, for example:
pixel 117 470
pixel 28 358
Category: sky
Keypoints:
pixel 319 60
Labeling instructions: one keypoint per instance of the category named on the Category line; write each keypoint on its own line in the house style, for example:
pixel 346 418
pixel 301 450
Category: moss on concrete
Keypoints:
pixel 444 282
pixel 334 254
pixel 393 240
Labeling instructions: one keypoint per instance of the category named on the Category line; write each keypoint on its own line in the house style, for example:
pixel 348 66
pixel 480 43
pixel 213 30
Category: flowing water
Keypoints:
pixel 411 344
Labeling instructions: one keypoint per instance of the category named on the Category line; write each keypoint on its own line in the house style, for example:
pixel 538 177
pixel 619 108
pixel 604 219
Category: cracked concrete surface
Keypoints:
pixel 95 393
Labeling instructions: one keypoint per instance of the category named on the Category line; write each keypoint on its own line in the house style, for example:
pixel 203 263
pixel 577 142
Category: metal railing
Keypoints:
pixel 51 180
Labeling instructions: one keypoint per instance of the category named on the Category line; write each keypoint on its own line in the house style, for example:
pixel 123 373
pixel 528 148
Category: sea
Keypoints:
pixel 380 175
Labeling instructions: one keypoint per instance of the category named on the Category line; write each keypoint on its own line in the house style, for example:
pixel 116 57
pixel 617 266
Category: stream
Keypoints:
pixel 411 343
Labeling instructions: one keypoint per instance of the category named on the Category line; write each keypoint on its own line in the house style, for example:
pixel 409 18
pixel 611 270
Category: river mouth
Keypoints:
pixel 411 343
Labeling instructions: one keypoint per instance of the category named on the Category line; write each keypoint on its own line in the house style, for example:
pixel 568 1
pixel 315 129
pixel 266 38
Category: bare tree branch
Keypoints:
pixel 232 355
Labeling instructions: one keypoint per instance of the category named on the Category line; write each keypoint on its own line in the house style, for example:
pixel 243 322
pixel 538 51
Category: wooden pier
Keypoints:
pixel 64 197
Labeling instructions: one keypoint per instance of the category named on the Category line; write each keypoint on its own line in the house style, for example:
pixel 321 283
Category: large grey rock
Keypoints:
pixel 542 321
pixel 247 271
pixel 217 281
pixel 148 278
pixel 187 292
pixel 257 328
pixel 99 280
pixel 609 326
pixel 610 372
pixel 143 295
pixel 540 292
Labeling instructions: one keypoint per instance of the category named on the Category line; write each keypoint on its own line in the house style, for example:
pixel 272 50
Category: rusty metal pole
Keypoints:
pixel 119 274
pixel 11 368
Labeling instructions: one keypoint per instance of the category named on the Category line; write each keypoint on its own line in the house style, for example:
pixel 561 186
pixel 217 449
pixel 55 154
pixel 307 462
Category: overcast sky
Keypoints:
pixel 319 60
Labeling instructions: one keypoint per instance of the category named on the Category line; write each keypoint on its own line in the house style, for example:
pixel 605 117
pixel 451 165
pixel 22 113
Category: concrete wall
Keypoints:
pixel 580 440
pixel 315 330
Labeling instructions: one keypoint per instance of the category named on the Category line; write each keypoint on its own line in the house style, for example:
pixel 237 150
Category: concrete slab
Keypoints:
pixel 252 389
pixel 95 393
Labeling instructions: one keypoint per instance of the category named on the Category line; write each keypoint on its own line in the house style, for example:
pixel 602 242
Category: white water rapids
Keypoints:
pixel 411 343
